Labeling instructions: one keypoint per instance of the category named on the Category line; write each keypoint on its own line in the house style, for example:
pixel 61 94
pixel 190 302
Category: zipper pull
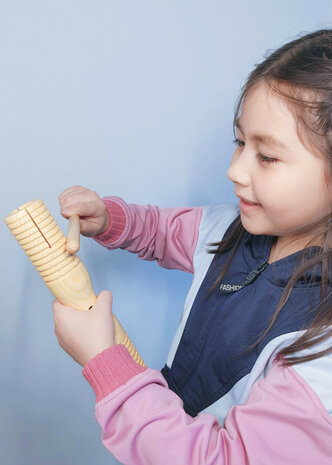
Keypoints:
pixel 255 273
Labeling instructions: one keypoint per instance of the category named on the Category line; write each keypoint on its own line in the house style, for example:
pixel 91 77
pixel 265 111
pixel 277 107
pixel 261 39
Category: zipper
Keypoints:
pixel 252 276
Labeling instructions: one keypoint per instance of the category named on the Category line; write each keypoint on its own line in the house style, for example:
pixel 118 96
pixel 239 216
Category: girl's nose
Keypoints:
pixel 238 172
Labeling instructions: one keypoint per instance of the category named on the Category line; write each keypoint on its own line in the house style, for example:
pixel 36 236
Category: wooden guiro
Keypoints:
pixel 62 271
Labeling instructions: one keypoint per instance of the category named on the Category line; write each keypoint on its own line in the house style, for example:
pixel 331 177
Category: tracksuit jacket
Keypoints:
pixel 215 401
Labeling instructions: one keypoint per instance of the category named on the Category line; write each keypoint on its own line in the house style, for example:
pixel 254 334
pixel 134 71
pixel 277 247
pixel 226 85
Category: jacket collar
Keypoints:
pixel 256 250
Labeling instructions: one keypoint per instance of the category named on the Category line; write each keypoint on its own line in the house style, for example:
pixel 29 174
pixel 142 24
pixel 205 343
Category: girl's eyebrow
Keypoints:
pixel 265 138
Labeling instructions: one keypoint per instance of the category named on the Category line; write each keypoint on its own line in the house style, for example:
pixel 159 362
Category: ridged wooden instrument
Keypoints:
pixel 64 274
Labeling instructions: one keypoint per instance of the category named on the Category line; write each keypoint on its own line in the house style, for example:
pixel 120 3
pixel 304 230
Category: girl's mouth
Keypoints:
pixel 245 206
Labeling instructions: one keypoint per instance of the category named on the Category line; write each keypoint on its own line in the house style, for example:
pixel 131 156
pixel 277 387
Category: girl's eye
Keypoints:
pixel 265 159
pixel 238 142
pixel 262 158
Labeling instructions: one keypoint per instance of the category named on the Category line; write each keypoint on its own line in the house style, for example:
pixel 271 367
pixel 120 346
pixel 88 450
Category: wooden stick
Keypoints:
pixel 73 236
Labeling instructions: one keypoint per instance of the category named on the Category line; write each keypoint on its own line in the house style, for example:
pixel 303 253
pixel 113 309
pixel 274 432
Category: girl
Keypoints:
pixel 248 379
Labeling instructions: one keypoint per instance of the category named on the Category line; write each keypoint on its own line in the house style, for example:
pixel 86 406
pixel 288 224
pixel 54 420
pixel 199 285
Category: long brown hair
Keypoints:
pixel 300 72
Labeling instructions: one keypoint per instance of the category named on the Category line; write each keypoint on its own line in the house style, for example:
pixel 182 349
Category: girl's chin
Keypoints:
pixel 253 226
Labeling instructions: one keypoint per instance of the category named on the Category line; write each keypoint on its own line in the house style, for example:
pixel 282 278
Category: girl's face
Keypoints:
pixel 290 188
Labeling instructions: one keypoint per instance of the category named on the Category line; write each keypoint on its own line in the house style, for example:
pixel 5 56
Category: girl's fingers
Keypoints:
pixel 59 307
pixel 70 190
pixel 81 208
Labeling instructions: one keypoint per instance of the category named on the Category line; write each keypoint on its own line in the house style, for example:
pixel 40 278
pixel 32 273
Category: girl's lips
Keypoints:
pixel 247 206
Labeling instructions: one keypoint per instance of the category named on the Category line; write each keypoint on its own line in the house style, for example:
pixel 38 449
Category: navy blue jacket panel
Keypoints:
pixel 212 355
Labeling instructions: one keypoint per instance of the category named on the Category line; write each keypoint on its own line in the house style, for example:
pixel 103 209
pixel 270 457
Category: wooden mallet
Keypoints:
pixel 73 235
pixel 42 240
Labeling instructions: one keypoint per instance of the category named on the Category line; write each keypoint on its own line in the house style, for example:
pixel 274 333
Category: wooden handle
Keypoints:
pixel 73 236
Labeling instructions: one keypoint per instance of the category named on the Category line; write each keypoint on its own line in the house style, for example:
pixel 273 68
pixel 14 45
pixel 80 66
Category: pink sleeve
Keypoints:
pixel 168 235
pixel 143 422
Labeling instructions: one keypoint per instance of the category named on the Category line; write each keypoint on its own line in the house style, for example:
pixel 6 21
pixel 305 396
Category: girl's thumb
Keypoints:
pixel 104 300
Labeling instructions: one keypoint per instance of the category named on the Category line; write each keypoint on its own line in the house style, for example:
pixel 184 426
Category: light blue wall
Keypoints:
pixel 128 98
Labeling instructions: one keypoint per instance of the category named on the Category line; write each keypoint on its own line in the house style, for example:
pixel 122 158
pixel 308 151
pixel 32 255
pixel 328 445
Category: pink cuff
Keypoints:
pixel 117 221
pixel 110 369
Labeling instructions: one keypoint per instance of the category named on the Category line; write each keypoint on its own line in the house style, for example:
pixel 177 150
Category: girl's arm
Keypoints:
pixel 143 422
pixel 168 235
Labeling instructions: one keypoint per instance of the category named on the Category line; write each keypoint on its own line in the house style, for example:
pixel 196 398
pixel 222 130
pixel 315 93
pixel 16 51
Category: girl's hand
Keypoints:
pixel 84 334
pixel 78 200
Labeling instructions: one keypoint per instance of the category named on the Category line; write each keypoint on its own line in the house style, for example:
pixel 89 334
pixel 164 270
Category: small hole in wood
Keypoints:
pixel 90 307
